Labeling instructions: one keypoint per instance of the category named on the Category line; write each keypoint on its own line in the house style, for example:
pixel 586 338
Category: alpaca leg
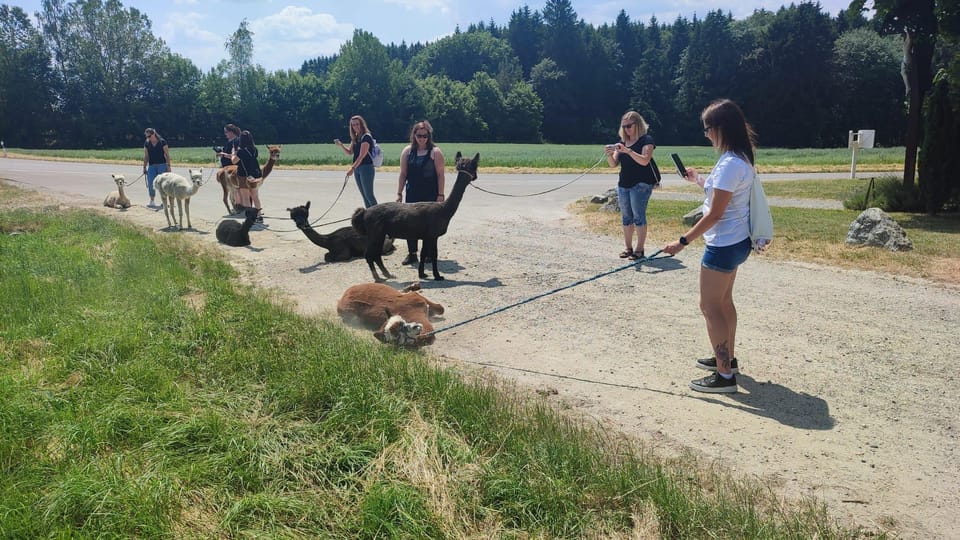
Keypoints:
pixel 226 194
pixel 180 208
pixel 429 250
pixel 166 214
pixel 187 204
pixel 374 255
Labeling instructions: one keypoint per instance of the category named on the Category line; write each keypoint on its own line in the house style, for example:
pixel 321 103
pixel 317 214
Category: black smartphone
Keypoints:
pixel 681 170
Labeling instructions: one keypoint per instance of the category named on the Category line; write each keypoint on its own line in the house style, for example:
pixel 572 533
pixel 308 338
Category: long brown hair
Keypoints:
pixel 363 128
pixel 732 131
pixel 423 124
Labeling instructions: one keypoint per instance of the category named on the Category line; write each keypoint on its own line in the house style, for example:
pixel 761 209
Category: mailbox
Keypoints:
pixel 855 141
pixel 861 139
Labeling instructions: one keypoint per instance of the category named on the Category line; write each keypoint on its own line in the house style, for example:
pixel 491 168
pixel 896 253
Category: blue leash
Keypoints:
pixel 541 295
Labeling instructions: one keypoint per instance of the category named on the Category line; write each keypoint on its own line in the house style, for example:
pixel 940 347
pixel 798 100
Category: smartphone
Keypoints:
pixel 611 146
pixel 681 170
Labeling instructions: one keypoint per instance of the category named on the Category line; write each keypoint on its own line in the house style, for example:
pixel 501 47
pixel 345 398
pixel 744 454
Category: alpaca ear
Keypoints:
pixel 459 155
pixel 307 206
pixel 476 158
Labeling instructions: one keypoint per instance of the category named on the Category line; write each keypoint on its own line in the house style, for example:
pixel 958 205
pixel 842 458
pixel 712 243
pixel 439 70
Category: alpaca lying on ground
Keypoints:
pixel 171 186
pixel 373 305
pixel 342 244
pixel 234 233
pixel 230 182
pixel 117 199
pixel 425 221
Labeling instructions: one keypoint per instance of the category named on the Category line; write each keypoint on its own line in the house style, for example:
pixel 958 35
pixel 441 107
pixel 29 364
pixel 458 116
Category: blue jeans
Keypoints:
pixel 364 175
pixel 633 204
pixel 726 259
pixel 152 172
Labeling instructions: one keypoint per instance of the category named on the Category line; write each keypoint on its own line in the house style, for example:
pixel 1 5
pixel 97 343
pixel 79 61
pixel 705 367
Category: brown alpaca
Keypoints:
pixel 230 182
pixel 425 221
pixel 342 244
pixel 117 199
pixel 372 305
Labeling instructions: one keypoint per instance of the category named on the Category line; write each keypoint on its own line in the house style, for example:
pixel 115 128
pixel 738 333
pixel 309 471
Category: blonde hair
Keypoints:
pixel 633 117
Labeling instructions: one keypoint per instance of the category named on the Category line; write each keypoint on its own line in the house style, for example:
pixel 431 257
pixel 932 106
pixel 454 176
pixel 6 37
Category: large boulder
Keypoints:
pixel 873 227
pixel 692 217
pixel 608 201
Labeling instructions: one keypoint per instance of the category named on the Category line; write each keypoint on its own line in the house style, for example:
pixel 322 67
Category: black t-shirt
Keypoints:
pixel 633 173
pixel 366 138
pixel 155 152
pixel 248 166
pixel 421 177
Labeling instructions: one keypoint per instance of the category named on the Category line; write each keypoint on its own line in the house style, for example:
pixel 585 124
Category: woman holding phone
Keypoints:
pixel 634 154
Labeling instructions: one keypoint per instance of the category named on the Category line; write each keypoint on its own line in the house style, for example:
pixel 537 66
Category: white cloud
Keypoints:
pixel 299 23
pixel 438 7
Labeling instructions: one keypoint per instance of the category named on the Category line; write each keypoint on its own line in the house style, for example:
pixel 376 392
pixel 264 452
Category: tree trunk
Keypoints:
pixel 914 104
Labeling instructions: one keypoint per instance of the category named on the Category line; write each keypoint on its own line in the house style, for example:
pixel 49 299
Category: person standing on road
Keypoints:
pixel 249 175
pixel 725 227
pixel 361 142
pixel 232 133
pixel 421 174
pixel 633 153
pixel 156 160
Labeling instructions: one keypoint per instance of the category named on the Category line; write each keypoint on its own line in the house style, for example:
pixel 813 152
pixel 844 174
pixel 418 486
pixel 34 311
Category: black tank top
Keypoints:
pixel 421 177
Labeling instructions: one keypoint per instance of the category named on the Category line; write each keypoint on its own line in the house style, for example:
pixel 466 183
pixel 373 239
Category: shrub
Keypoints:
pixel 889 194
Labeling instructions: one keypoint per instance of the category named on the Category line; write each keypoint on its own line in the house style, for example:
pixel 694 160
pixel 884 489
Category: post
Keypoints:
pixel 853 164
pixel 4 148
pixel 853 143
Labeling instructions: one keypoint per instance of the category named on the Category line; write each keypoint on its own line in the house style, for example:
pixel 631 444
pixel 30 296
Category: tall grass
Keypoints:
pixel 522 157
pixel 143 393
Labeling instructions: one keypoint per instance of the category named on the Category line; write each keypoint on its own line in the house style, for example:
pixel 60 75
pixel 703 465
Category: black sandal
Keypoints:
pixel 626 253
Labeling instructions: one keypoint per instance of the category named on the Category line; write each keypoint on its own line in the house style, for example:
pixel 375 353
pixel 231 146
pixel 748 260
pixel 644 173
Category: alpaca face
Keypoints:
pixel 196 176
pixel 398 332
pixel 468 165
pixel 300 215
pixel 119 180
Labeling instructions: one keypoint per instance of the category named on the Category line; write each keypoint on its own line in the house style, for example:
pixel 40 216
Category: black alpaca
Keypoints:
pixel 425 221
pixel 342 244
pixel 236 234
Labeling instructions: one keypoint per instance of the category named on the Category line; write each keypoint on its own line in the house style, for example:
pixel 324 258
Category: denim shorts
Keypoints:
pixel 633 204
pixel 726 259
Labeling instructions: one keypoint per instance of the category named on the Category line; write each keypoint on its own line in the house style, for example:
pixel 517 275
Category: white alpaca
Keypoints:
pixel 172 186
pixel 117 199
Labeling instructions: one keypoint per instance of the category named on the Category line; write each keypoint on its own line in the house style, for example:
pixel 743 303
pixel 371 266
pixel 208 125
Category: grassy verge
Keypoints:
pixel 521 157
pixel 816 235
pixel 143 393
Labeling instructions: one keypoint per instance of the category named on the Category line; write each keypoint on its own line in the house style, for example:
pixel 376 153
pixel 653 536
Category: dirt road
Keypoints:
pixel 848 386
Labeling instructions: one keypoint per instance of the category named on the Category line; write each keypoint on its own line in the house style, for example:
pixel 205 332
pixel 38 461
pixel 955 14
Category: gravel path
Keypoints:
pixel 848 386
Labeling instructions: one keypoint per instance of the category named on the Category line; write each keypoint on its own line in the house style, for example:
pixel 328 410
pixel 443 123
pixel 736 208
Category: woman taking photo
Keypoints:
pixel 634 153
pixel 361 141
pixel 244 156
pixel 725 227
pixel 421 174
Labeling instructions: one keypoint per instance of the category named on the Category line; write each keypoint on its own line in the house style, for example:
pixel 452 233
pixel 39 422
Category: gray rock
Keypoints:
pixel 873 227
pixel 692 217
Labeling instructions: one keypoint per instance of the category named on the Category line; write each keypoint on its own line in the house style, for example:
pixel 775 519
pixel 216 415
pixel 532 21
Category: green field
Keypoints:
pixel 524 157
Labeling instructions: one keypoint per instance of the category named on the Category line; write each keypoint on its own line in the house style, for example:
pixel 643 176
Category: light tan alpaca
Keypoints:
pixel 230 183
pixel 171 186
pixel 117 199
pixel 373 305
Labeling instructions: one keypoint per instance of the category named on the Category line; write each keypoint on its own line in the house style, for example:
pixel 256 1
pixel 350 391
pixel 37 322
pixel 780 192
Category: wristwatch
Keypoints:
pixel 683 241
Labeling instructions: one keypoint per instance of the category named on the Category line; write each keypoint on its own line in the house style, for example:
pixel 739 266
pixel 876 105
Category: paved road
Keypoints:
pixel 290 187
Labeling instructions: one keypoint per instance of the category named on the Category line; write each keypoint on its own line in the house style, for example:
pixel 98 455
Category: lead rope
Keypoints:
pixel 541 295
pixel 581 175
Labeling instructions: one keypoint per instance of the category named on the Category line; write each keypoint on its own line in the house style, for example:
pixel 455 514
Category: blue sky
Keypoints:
pixel 287 32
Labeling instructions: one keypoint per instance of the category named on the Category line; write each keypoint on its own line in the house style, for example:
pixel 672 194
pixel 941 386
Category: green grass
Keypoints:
pixel 816 235
pixel 144 393
pixel 521 157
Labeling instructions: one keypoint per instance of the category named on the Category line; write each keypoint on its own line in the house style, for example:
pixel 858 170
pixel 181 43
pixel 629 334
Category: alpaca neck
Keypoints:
pixel 120 190
pixel 456 194
pixel 267 168
pixel 314 236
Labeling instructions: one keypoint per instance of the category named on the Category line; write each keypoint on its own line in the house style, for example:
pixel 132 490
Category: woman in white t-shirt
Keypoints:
pixel 725 228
